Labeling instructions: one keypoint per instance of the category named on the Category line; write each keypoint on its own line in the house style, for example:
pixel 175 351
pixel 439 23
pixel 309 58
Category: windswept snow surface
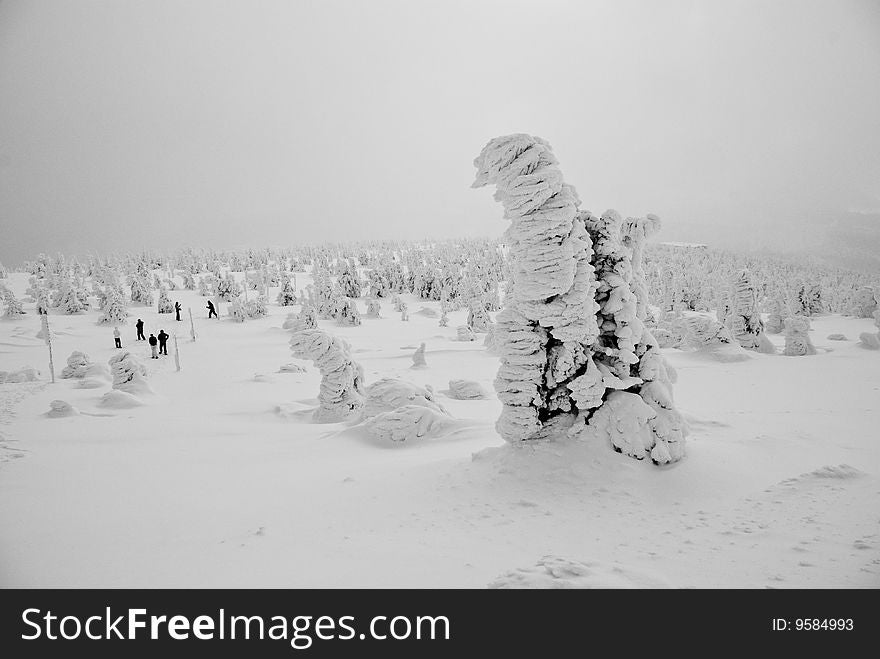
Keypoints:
pixel 209 484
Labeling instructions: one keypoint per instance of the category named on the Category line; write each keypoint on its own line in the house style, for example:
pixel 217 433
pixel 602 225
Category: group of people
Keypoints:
pixel 158 344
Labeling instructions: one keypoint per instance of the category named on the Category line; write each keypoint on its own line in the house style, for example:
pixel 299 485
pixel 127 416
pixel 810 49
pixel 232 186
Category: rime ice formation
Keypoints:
pixel 466 390
pixel 418 358
pixel 26 374
pixel 775 319
pixel 165 305
pixel 572 329
pixel 373 308
pixel 745 322
pixel 388 394
pixel 116 399
pixel 709 337
pixel 61 408
pixel 129 374
pixel 341 394
pixel 837 337
pixel 797 337
pixel 478 319
pixel 306 319
pixel 407 423
pixel 287 294
pixel 864 302
pixel 80 366
pixel 114 310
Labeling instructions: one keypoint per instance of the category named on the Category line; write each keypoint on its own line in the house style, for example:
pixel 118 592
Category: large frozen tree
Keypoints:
pixel 570 341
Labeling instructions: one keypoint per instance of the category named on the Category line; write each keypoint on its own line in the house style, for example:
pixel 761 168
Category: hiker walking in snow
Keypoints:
pixel 116 337
pixel 163 342
pixel 152 341
pixel 177 310
pixel 139 326
pixel 211 309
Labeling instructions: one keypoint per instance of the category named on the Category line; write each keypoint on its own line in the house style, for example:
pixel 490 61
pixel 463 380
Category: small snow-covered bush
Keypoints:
pixel 797 337
pixel 129 374
pixel 466 390
pixel 406 424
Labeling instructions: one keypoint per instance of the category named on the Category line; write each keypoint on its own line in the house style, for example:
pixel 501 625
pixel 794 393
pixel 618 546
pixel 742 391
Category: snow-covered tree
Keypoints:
pixel 809 300
pixel 864 303
pixel 797 337
pixel 776 317
pixel 129 374
pixel 13 308
pixel 746 324
pixel 114 310
pixel 341 395
pixel 165 305
pixel 256 308
pixel 68 299
pixel 347 313
pixel 348 282
pixel 287 294
pixel 564 299
pixel 237 311
pixel 141 293
pixel 373 308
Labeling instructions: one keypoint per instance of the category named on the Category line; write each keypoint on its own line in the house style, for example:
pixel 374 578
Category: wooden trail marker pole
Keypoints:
pixel 48 336
pixel 176 353
pixel 192 328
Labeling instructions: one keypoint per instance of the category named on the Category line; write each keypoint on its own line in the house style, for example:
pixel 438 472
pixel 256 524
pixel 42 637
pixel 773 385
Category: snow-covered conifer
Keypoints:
pixel 341 395
pixel 797 337
pixel 165 305
pixel 556 310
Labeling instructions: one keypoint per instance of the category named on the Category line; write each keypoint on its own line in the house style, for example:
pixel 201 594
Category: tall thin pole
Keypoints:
pixel 48 339
pixel 176 352
pixel 192 328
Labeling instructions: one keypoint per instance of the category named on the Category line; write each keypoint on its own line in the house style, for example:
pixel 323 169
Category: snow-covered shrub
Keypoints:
pixel 478 320
pixel 189 282
pixel 227 288
pixel 237 311
pixel 306 319
pixel 418 357
pixel 464 333
pixel 566 298
pixel 374 308
pixel 347 312
pixel 864 302
pixel 61 408
pixel 341 394
pixel 797 337
pixel 775 319
pixel 466 390
pixel 389 394
pixel 407 423
pixel 80 366
pixel 26 374
pixel 404 311
pixel 129 374
pixel 256 308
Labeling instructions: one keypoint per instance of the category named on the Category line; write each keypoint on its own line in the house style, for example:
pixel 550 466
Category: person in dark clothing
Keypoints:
pixel 116 337
pixel 163 342
pixel 139 326
pixel 211 310
pixel 177 309
pixel 152 341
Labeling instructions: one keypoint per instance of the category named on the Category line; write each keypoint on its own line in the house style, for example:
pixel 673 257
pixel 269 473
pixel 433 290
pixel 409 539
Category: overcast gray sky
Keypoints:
pixel 127 124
